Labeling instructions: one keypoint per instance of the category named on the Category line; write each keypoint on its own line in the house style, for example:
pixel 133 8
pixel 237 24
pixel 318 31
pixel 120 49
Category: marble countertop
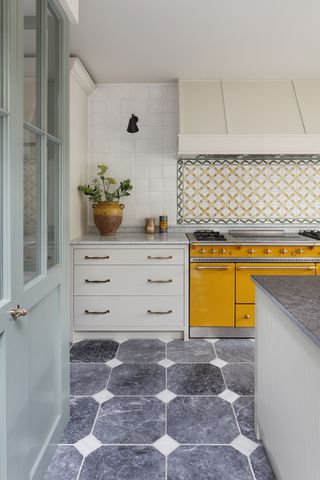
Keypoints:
pixel 136 238
pixel 298 297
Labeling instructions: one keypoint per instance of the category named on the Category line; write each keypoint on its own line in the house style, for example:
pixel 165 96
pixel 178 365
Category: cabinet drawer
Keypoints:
pixel 129 256
pixel 133 313
pixel 245 316
pixel 245 288
pixel 132 280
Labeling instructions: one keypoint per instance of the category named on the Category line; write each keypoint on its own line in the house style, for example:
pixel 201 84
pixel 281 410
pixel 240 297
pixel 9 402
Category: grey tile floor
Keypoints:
pixel 150 410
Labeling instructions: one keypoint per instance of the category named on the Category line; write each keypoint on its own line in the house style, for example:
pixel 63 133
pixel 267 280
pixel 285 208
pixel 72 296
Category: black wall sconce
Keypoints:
pixel 132 125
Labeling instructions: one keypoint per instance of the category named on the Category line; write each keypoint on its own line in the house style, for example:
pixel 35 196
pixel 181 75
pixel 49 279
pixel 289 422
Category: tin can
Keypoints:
pixel 150 226
pixel 163 224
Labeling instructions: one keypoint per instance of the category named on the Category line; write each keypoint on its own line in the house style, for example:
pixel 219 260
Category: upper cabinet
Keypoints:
pixel 273 117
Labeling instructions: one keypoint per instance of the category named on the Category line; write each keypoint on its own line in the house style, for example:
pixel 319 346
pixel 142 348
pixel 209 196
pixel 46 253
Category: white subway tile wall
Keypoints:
pixel 149 157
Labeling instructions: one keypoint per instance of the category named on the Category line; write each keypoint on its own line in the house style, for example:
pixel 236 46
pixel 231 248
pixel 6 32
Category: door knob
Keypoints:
pixel 18 312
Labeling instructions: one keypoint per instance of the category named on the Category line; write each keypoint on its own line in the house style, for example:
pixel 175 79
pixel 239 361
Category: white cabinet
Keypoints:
pixel 130 288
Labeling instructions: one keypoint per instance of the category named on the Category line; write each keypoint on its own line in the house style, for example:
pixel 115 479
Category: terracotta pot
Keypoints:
pixel 108 217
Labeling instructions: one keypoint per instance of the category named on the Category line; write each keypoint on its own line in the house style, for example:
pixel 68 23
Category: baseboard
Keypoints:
pixel 122 336
pixel 221 332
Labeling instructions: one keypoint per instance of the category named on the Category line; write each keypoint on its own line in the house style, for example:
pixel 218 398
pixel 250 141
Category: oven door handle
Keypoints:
pixel 215 267
pixel 284 267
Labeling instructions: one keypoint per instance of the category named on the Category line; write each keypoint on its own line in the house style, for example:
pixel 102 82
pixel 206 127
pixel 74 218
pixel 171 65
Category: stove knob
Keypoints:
pixel 223 250
pixel 283 250
pixel 251 250
pixel 213 250
pixel 267 250
pixel 299 251
pixel 202 250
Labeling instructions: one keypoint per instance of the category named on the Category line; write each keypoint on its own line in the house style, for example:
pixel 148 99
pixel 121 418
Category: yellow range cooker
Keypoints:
pixel 222 295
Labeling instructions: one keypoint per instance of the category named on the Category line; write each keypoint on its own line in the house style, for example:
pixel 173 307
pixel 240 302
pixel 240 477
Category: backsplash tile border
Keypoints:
pixel 235 162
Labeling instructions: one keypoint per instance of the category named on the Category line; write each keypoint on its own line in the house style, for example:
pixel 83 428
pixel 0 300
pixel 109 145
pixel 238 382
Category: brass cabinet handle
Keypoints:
pixel 160 258
pixel 247 316
pixel 88 257
pixel 18 312
pixel 89 312
pixel 284 267
pixel 160 281
pixel 107 280
pixel 215 267
pixel 159 313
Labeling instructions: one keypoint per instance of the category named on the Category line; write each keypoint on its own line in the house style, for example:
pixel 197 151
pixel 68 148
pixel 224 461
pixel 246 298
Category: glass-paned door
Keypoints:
pixel 34 331
pixel 3 129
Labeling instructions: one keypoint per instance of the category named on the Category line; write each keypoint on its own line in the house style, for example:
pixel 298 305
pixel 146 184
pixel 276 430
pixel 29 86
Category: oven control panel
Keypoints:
pixel 253 251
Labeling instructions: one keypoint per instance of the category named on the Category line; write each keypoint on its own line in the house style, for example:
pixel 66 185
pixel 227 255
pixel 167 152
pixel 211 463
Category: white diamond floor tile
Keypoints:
pixel 102 396
pixel 218 362
pixel 87 445
pixel 166 445
pixel 166 396
pixel 244 445
pixel 229 395
pixel 114 363
pixel 166 363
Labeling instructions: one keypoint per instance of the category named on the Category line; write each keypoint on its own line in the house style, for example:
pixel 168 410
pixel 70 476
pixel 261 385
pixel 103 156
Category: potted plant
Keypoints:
pixel 105 200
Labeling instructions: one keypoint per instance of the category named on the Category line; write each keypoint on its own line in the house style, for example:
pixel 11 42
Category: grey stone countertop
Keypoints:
pixel 298 297
pixel 136 238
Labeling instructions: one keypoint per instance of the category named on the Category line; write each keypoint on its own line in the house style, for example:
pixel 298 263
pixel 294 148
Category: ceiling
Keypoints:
pixel 155 41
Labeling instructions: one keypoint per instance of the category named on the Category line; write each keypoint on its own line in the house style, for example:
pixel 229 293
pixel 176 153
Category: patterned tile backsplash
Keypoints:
pixel 251 189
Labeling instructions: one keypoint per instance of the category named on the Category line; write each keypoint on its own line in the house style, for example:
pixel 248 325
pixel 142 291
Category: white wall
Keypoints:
pixel 80 85
pixel 148 158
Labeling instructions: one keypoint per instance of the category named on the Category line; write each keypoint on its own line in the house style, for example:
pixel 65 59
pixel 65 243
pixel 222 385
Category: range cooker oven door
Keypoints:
pixel 212 294
pixel 245 287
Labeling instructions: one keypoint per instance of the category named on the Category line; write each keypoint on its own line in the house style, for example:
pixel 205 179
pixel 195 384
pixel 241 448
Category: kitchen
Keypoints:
pixel 165 247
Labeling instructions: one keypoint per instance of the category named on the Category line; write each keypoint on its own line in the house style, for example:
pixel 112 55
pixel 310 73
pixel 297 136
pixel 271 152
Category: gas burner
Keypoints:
pixel 209 236
pixel 310 233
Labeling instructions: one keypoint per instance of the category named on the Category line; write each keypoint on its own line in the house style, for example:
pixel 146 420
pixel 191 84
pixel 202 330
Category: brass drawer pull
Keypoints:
pixel 88 257
pixel 89 312
pixel 288 267
pixel 200 267
pixel 159 281
pixel 160 258
pixel 159 313
pixel 97 281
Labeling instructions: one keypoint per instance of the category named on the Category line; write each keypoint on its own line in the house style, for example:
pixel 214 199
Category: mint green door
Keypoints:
pixel 34 332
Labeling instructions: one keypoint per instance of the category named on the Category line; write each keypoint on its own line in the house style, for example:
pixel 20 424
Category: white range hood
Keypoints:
pixel 249 117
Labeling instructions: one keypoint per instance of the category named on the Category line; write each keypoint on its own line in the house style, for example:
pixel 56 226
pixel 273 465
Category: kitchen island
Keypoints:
pixel 287 406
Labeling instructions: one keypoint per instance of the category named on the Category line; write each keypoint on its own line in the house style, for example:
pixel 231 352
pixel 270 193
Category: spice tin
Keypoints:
pixel 150 226
pixel 163 224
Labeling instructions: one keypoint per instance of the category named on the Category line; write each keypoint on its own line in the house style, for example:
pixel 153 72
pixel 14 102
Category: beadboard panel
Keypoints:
pixel 287 407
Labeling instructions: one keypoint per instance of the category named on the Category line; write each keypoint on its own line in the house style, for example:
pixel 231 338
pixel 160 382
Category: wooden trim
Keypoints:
pixel 80 74
pixel 192 145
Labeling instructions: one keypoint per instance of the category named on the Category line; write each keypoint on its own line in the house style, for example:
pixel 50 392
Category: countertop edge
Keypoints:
pixel 312 337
